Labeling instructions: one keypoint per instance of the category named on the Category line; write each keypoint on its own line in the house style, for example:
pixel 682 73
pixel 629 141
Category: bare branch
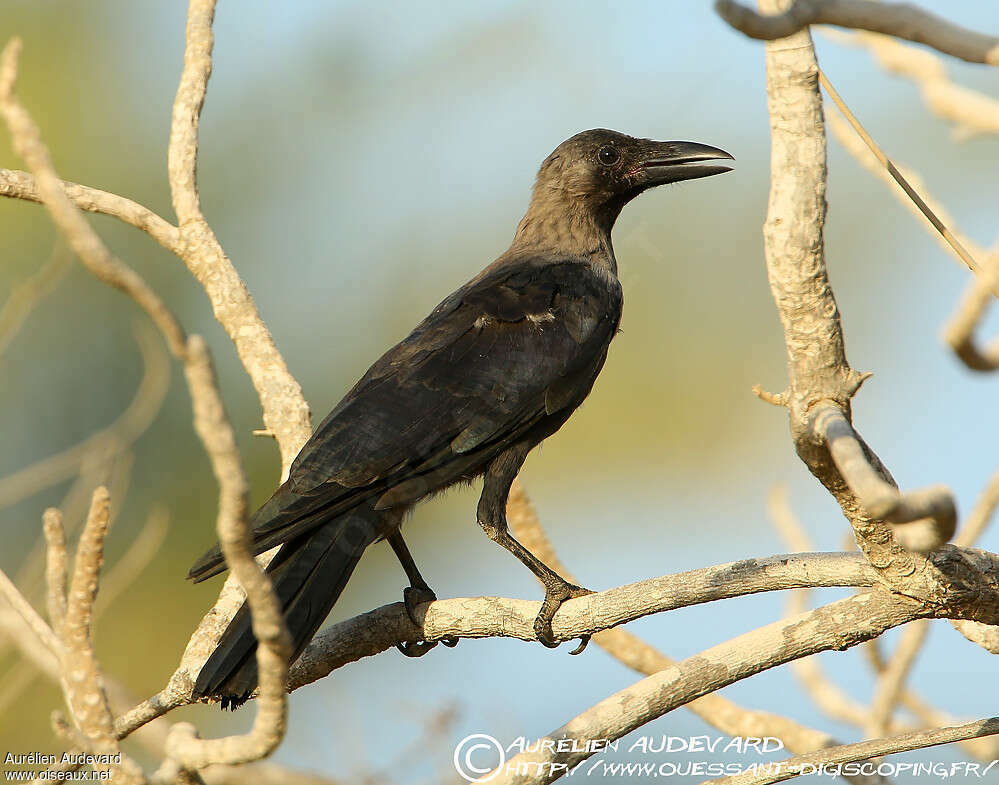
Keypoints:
pixel 113 439
pixel 879 498
pixel 274 644
pixel 78 233
pixel 83 683
pixel 24 298
pixel 972 112
pixel 285 411
pixel 632 651
pixel 21 185
pixel 838 625
pixel 807 764
pixel 483 617
pixel 959 332
pixel 890 687
pixel 28 614
pixel 56 567
pixel 897 19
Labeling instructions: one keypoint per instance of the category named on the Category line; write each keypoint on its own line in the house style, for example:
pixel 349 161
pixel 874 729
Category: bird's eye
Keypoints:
pixel 608 155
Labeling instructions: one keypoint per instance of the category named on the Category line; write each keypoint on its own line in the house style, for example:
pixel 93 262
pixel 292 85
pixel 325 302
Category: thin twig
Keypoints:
pixel 972 112
pixel 56 567
pixel 25 297
pixel 109 441
pixel 75 228
pixel 890 687
pixel 21 185
pixel 30 616
pixel 896 175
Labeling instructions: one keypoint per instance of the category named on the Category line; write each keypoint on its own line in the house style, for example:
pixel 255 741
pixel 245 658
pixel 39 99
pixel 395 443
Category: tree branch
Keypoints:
pixel 839 625
pixel 897 19
pixel 285 411
pixel 806 764
pixel 635 653
pixel 22 185
pixel 274 643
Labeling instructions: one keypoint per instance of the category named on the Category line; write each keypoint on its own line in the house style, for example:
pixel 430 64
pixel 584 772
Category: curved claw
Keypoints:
pixel 450 641
pixel 583 640
pixel 415 648
pixel 554 598
pixel 543 629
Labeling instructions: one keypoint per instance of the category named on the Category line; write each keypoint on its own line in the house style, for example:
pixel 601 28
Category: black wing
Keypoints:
pixel 479 372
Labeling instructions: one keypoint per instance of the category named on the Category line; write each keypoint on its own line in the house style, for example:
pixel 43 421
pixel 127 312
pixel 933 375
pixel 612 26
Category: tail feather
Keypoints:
pixel 309 574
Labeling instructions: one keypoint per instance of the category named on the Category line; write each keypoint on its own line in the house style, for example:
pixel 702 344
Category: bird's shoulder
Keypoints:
pixel 525 290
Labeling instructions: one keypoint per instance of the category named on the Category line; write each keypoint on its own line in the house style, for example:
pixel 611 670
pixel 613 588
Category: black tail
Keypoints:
pixel 309 574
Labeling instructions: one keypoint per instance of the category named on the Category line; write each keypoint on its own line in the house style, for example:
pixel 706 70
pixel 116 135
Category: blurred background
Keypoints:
pixel 359 161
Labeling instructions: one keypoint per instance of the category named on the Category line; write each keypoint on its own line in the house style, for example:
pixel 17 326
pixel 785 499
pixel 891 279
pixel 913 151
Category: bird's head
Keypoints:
pixel 600 171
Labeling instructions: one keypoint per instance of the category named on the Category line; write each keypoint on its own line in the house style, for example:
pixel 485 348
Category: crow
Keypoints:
pixel 494 369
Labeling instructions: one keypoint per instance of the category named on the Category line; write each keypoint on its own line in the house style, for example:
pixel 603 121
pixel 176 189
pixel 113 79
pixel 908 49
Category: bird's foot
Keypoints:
pixel 414 596
pixel 555 595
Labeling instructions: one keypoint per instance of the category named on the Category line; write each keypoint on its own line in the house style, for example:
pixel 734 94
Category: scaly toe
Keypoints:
pixel 414 597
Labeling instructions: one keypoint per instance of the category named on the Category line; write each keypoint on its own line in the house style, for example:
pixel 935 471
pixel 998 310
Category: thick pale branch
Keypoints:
pixel 483 617
pixel 896 19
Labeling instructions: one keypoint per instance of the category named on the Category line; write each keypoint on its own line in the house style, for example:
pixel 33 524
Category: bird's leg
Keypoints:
pixel 492 518
pixel 417 593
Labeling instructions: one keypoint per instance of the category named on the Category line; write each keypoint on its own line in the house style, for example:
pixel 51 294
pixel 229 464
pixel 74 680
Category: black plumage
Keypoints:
pixel 496 368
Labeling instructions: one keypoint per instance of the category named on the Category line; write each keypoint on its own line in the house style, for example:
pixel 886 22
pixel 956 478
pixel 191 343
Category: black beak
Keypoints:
pixel 670 162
